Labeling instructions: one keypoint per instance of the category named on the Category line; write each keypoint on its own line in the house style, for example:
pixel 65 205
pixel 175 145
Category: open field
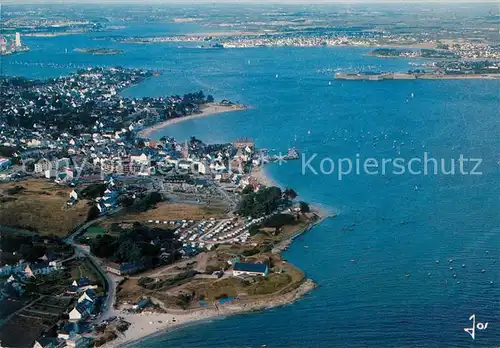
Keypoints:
pixel 40 205
pixel 165 287
pixel 170 211
pixel 283 278
pixel 94 231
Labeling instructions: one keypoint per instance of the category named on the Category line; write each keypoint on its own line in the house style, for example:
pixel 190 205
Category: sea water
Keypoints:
pixel 375 263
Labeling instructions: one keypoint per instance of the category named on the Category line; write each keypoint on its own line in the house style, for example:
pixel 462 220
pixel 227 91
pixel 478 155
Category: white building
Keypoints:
pixel 252 269
pixel 81 311
pixel 202 167
pixel 45 165
pixel 74 195
pixel 77 341
pixel 35 269
pixel 18 40
pixel 141 159
pixel 88 295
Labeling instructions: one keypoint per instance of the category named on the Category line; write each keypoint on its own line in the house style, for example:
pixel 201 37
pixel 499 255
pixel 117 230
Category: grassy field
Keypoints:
pixel 233 287
pixel 94 231
pixel 171 211
pixel 41 206
pixel 284 278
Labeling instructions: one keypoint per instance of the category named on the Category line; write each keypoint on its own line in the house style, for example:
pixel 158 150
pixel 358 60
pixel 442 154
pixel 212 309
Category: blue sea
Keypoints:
pixel 380 284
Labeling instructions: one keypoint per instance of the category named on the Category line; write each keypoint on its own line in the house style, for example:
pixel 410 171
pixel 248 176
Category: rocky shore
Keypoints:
pixel 147 324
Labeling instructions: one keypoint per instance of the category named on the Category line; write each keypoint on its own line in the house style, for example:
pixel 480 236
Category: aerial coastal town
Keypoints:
pixel 182 231
pixel 109 232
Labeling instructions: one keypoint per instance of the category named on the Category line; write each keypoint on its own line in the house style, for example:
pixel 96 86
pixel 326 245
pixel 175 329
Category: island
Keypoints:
pixel 408 53
pixel 99 51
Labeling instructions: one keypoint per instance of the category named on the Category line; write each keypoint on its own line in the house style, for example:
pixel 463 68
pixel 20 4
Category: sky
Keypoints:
pixel 297 2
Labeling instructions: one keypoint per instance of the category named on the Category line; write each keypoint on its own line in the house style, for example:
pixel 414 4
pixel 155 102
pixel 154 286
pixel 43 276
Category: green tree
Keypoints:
pixel 93 213
pixel 260 203
pixel 248 189
pixel 290 194
pixel 304 207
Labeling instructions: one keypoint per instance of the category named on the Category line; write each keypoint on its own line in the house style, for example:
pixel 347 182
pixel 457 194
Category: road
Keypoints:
pixel 161 271
pixel 110 285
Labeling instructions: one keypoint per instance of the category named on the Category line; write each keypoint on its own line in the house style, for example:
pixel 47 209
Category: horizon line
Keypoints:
pixel 243 2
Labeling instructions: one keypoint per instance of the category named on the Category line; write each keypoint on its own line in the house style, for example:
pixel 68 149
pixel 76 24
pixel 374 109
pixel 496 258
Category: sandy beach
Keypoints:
pixel 150 323
pixel 259 174
pixel 207 110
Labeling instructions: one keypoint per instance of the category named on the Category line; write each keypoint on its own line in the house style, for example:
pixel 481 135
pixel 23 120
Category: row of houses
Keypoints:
pixel 31 269
pixel 84 307
pixel 70 333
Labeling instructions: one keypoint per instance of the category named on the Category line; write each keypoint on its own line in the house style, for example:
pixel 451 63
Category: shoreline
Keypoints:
pixel 148 325
pixel 263 178
pixel 207 110
pixel 405 77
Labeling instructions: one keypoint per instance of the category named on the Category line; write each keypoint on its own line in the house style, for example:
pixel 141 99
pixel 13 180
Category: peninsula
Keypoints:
pixel 439 71
pixel 416 53
pixel 180 231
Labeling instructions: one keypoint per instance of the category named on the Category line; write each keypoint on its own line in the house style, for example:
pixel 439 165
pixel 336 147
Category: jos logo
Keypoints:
pixel 472 330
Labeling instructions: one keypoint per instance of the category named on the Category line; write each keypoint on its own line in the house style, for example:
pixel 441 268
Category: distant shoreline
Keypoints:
pixel 207 110
pixel 405 76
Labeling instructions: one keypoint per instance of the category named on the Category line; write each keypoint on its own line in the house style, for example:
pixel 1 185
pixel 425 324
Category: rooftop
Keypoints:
pixel 250 267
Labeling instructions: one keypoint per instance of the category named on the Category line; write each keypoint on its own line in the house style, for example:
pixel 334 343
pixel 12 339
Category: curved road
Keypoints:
pixel 110 285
